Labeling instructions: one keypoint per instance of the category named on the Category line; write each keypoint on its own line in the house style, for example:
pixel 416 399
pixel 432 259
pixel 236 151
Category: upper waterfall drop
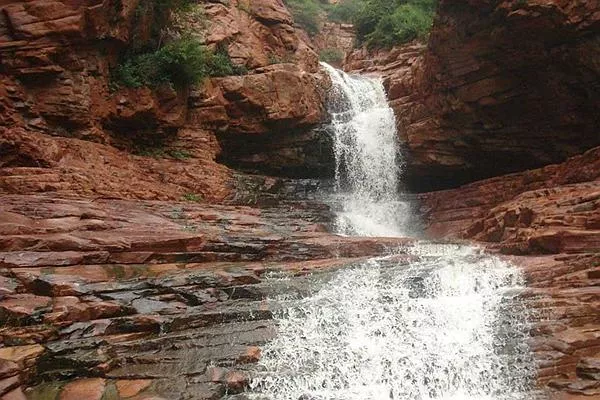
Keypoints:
pixel 367 158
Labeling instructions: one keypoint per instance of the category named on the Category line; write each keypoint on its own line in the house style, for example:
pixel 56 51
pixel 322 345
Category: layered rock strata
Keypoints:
pixel 67 128
pixel 335 39
pixel 165 299
pixel 502 86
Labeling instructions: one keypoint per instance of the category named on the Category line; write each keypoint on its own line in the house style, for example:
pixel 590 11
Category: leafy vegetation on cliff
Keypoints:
pixel 150 19
pixel 379 23
pixel 169 53
pixel 385 23
pixel 182 62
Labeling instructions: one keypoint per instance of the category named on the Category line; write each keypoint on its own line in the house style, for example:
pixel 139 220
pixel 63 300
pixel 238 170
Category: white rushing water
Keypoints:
pixel 367 158
pixel 443 323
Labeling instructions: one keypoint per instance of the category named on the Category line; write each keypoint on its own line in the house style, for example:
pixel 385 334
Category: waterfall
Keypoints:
pixel 367 158
pixel 445 323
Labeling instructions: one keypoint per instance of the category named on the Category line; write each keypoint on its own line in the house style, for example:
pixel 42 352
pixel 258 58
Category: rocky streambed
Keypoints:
pixel 118 299
pixel 138 299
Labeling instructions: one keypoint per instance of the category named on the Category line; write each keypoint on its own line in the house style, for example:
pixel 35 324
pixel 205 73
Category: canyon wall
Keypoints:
pixel 502 86
pixel 68 129
pixel 506 91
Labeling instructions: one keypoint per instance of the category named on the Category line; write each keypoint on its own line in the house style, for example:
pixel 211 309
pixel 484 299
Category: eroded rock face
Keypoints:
pixel 279 97
pixel 502 86
pixel 53 80
pixel 62 121
pixel 336 37
pixel 562 292
pixel 272 123
pixel 555 209
pixel 258 33
pixel 33 162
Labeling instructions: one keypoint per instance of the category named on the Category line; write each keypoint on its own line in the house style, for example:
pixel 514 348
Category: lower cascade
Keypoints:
pixel 443 322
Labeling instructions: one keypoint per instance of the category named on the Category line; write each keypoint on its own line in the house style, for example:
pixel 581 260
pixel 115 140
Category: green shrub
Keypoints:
pixel 182 62
pixel 331 56
pixel 158 14
pixel 219 64
pixel 408 22
pixel 179 154
pixel 385 23
pixel 193 197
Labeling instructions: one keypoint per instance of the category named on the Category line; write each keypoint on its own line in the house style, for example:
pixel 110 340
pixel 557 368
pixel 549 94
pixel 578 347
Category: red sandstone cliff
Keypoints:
pixel 64 129
pixel 502 86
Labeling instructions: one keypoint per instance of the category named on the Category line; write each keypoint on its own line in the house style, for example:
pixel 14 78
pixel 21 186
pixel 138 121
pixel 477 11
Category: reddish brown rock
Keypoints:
pixel 130 388
pixel 18 307
pixel 83 168
pixel 567 330
pixel 280 97
pixel 271 119
pixel 554 209
pixel 502 86
pixel 17 365
pixel 252 355
pixel 8 368
pixel 58 101
pixel 337 38
pixel 8 384
pixel 91 389
pixel 589 368
pixel 16 394
pixel 236 381
pixel 22 355
pixel 258 33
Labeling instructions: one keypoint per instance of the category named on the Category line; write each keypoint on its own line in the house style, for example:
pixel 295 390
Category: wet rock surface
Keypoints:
pixel 154 299
pixel 164 299
pixel 563 292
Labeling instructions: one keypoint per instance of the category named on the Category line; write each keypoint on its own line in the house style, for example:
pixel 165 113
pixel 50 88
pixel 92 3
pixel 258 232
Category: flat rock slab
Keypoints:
pixel 147 299
pixel 132 299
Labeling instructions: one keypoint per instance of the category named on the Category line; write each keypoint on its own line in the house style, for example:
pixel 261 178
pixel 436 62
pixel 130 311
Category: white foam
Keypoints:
pixel 435 329
pixel 367 158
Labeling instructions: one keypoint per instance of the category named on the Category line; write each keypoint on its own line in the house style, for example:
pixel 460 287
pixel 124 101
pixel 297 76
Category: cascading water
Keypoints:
pixel 446 322
pixel 366 153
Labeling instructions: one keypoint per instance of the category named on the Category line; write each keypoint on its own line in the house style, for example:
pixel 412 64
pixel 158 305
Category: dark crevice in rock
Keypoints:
pixel 295 154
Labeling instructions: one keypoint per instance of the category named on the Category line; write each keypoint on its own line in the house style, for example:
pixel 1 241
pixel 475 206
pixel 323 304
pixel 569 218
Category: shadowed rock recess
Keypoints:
pixel 144 232
pixel 500 87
